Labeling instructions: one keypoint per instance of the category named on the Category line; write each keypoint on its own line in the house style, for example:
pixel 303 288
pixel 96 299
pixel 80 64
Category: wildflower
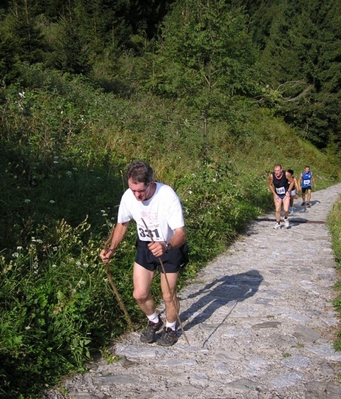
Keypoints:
pixel 78 263
pixel 27 201
pixel 19 248
pixel 27 328
pixel 15 255
pixel 54 265
pixel 68 173
pixel 52 202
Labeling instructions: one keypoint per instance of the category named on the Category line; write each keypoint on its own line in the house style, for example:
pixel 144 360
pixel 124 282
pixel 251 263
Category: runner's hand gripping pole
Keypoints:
pixel 169 289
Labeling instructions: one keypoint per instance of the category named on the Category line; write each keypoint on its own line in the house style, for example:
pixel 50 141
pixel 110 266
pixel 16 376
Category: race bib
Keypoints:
pixel 144 235
pixel 280 190
pixel 306 182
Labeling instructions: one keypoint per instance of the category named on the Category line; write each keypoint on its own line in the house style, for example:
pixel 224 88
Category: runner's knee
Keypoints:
pixel 140 296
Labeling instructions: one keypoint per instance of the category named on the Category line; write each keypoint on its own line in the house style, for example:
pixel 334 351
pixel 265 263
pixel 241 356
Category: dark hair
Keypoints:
pixel 140 172
pixel 291 172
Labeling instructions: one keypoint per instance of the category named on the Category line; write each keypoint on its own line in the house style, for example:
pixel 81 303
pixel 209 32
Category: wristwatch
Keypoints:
pixel 168 246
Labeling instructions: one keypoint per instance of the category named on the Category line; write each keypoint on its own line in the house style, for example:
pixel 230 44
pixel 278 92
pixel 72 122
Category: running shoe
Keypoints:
pixel 308 205
pixel 303 203
pixel 148 336
pixel 277 226
pixel 286 223
pixel 168 337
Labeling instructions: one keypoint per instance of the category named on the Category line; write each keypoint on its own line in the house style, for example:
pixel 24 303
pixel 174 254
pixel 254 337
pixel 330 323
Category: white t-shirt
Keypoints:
pixel 162 213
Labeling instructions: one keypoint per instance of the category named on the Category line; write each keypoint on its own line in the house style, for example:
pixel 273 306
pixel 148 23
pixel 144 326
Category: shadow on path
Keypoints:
pixel 221 292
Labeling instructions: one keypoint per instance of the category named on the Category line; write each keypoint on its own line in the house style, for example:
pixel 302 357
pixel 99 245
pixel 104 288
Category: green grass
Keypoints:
pixel 334 222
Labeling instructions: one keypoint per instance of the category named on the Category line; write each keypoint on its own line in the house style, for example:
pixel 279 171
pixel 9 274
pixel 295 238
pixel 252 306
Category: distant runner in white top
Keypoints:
pixel 158 207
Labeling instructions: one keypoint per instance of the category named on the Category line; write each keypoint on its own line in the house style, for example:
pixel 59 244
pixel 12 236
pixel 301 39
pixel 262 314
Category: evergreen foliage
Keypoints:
pixel 212 94
pixel 301 59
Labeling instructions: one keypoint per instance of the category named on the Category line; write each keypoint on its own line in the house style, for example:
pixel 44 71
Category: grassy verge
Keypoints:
pixel 334 222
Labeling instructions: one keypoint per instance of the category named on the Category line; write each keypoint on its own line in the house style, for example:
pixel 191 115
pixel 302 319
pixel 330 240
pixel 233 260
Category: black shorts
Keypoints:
pixel 304 189
pixel 173 260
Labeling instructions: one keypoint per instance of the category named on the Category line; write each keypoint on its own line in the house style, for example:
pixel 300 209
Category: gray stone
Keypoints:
pixel 306 334
pixel 266 324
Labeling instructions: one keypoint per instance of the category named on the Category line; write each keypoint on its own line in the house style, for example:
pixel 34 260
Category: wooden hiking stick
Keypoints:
pixel 169 289
pixel 113 286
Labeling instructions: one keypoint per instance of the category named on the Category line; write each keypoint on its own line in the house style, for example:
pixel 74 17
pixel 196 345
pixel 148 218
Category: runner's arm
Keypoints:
pixel 270 183
pixel 158 248
pixel 118 234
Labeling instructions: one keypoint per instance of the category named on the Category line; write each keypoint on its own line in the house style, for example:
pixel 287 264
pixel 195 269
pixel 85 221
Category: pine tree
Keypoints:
pixel 206 59
pixel 301 60
pixel 21 25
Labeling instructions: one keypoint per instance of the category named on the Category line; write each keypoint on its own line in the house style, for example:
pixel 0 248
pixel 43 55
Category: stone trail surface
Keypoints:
pixel 259 320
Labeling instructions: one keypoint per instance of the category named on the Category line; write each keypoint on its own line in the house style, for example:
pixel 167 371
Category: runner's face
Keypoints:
pixel 140 190
pixel 278 171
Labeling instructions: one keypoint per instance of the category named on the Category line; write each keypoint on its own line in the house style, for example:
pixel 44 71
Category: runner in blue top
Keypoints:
pixel 280 184
pixel 306 180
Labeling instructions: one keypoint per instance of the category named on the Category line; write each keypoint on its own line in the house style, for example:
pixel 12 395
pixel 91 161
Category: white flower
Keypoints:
pixel 52 202
pixel 27 201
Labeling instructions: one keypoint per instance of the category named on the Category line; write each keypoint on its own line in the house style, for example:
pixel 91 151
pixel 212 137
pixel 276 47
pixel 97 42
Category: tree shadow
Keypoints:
pixel 221 292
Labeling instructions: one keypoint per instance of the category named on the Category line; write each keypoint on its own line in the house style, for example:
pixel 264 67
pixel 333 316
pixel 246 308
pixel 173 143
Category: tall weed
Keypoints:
pixel 334 223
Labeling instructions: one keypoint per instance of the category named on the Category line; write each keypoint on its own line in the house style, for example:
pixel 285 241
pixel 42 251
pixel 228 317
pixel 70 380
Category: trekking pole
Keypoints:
pixel 113 286
pixel 169 288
